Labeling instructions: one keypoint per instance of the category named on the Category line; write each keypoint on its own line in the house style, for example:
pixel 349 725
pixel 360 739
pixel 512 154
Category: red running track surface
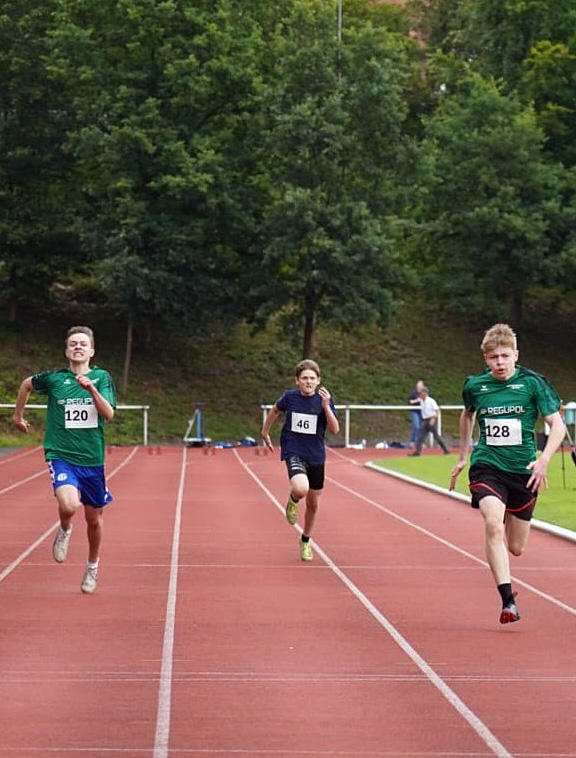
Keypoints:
pixel 208 637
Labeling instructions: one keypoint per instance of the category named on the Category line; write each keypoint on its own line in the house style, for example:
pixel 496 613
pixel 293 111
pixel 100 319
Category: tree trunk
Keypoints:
pixel 127 356
pixel 516 309
pixel 308 332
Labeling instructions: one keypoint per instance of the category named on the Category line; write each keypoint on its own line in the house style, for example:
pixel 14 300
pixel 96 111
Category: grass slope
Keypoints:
pixel 233 373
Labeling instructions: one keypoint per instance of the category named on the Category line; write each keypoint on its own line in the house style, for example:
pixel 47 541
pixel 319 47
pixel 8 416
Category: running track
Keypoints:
pixel 209 638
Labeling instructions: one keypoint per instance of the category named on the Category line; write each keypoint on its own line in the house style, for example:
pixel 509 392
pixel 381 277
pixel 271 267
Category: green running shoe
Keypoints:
pixel 306 551
pixel 292 511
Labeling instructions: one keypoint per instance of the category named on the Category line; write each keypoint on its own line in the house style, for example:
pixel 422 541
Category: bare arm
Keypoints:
pixel 102 405
pixel 21 400
pixel 331 418
pixel 273 414
pixel 539 467
pixel 466 425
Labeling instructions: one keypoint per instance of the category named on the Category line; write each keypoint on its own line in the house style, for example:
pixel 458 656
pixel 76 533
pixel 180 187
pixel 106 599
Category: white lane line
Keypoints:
pixel 530 587
pixel 162 734
pixel 22 557
pixel 456 702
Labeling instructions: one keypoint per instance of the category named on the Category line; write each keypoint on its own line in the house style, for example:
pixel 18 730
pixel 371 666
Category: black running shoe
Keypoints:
pixel 510 612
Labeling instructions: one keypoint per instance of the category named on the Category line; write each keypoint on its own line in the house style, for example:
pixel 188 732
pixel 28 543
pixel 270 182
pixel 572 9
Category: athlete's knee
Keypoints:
pixel 516 547
pixel 494 528
pixel 94 516
pixel 299 487
pixel 68 503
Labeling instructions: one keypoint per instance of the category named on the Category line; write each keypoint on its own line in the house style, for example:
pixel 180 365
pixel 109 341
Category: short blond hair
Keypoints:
pixel 499 335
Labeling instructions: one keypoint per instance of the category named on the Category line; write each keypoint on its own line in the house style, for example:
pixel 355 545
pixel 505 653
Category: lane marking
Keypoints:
pixel 489 739
pixel 22 557
pixel 162 734
pixel 530 587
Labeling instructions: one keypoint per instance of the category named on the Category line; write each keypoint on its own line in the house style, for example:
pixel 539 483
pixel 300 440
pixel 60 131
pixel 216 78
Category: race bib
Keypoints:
pixel 80 416
pixel 503 431
pixel 304 423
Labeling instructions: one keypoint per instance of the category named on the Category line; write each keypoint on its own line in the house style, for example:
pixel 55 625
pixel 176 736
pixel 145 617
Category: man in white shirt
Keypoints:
pixel 430 413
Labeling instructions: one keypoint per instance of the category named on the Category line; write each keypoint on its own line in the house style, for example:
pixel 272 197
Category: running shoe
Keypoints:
pixel 306 551
pixel 60 544
pixel 89 581
pixel 292 510
pixel 510 612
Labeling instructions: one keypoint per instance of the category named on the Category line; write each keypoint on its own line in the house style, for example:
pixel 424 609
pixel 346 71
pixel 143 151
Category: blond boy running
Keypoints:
pixel 505 473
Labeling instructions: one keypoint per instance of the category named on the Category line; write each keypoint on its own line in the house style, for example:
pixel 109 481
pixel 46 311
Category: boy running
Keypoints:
pixel 505 473
pixel 80 400
pixel 309 412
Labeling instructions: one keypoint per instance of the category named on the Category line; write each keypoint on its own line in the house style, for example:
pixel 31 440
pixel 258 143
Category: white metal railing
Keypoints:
pixel 348 409
pixel 143 408
pixel 570 418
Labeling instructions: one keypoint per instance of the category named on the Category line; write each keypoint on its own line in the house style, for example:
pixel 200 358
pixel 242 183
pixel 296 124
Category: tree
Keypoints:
pixel 492 202
pixel 330 141
pixel 159 94
pixel 38 239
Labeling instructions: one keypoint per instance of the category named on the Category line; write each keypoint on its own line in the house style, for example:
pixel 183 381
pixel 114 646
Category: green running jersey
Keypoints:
pixel 506 412
pixel 74 429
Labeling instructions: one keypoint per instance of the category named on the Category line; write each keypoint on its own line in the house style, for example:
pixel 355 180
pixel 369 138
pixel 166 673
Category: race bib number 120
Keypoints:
pixel 80 416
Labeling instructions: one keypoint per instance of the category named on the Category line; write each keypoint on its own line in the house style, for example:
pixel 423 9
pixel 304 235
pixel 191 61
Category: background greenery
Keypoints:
pixel 233 372
pixel 194 163
pixel 221 187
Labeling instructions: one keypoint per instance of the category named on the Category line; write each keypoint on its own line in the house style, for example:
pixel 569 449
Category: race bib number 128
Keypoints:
pixel 503 431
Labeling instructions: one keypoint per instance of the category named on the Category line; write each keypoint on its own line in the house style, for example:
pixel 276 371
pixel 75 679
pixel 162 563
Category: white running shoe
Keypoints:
pixel 89 581
pixel 60 544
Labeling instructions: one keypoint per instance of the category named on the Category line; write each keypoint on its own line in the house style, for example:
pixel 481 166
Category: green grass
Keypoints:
pixel 556 505
pixel 233 372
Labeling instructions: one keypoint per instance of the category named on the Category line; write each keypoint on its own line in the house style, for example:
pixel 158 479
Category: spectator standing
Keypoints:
pixel 415 414
pixel 430 415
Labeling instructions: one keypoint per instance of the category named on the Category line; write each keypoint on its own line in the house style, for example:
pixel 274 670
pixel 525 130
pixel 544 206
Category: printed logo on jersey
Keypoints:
pixel 505 409
pixel 502 410
pixel 483 388
pixel 515 386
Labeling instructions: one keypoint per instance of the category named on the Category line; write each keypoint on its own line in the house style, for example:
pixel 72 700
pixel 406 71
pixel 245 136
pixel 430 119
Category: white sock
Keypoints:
pixel 92 564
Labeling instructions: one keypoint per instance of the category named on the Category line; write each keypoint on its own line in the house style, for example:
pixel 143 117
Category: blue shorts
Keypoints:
pixel 88 480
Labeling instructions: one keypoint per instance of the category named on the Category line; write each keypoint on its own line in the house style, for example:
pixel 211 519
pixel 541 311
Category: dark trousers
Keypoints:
pixel 428 428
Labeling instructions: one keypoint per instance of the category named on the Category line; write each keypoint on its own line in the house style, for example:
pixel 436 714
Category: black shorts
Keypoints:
pixel 314 471
pixel 510 488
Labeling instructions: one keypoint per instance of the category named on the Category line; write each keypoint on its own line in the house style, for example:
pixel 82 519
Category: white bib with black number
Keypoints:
pixel 503 431
pixel 80 416
pixel 304 423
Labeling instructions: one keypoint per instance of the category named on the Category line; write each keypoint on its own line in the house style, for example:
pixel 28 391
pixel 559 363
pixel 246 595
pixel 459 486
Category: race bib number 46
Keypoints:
pixel 304 423
pixel 503 431
pixel 80 416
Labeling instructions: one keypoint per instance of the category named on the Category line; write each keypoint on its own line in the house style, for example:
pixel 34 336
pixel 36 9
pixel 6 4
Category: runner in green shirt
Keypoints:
pixel 505 473
pixel 80 399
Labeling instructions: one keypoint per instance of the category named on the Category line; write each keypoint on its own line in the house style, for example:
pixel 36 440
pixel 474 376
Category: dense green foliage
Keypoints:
pixel 195 168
